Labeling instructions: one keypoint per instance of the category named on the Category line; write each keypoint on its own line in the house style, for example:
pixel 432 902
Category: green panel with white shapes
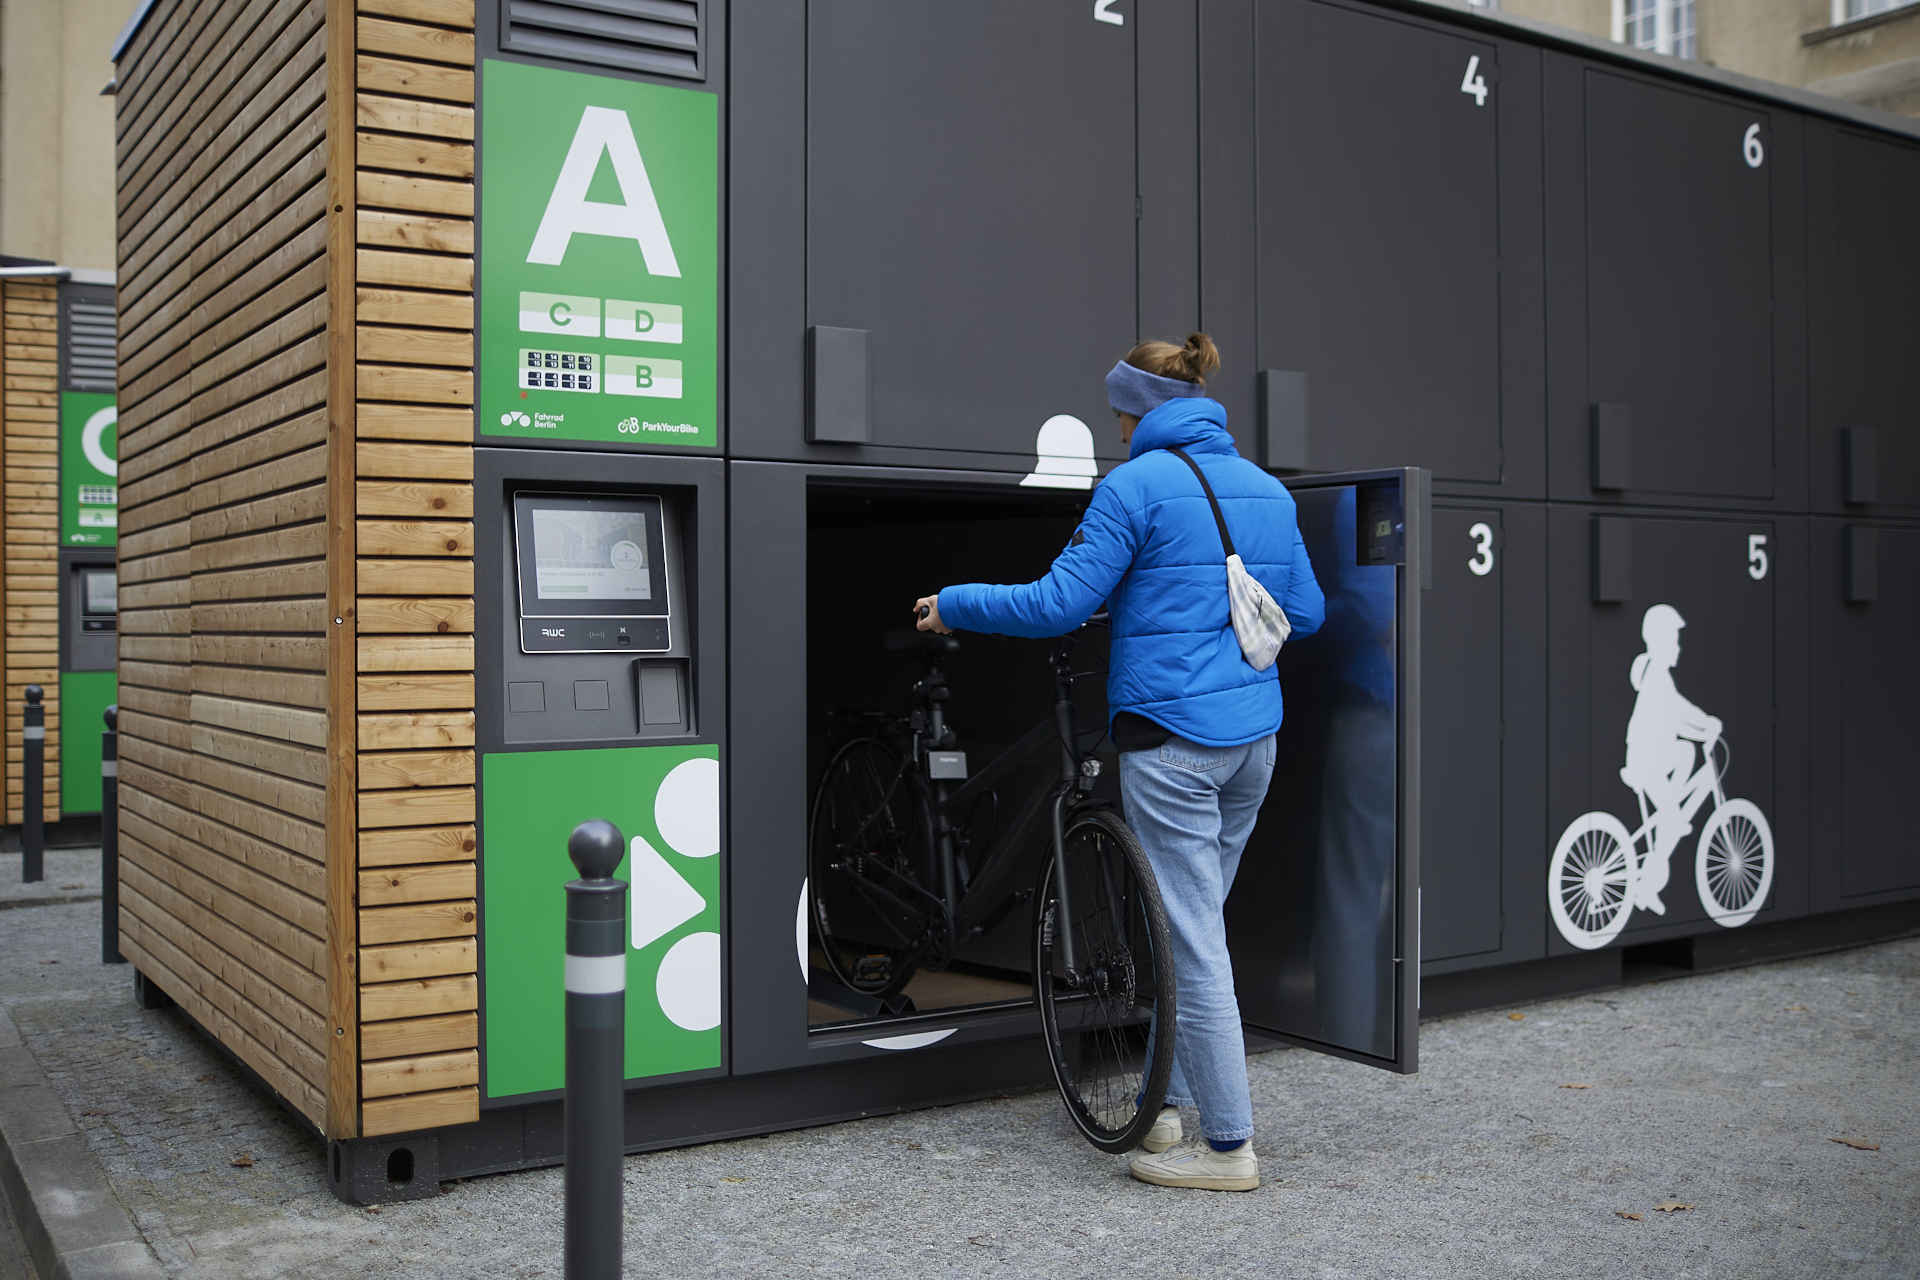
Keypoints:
pixel 89 469
pixel 666 801
pixel 84 695
pixel 599 259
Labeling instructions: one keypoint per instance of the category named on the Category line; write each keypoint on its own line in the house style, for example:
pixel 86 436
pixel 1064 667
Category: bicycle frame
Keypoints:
pixel 988 896
pixel 1706 781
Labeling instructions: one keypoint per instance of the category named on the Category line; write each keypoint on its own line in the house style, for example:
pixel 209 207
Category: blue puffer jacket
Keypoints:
pixel 1149 543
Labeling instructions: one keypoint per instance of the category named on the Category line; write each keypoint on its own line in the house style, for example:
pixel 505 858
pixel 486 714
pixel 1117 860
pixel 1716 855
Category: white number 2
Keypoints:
pixel 1103 11
pixel 1474 83
pixel 1750 146
pixel 1482 562
pixel 1756 556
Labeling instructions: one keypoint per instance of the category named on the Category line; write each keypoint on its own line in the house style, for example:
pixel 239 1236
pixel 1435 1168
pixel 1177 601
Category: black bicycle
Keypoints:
pixel 895 883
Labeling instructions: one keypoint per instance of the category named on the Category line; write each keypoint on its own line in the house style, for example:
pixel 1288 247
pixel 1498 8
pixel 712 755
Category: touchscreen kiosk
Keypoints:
pixel 592 574
pixel 99 590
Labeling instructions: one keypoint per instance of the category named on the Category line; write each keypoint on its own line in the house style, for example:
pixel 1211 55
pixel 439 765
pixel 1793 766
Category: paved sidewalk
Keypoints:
pixel 1721 1092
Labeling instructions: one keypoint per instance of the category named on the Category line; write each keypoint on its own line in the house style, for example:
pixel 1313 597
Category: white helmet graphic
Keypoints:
pixel 1662 622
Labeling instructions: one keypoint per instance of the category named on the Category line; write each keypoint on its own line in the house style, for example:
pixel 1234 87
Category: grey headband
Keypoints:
pixel 1139 393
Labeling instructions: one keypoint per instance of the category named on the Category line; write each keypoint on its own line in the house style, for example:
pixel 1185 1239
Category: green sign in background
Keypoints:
pixel 531 801
pixel 652 338
pixel 83 696
pixel 89 494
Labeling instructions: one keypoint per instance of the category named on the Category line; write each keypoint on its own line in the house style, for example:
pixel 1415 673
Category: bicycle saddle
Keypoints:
pixel 914 640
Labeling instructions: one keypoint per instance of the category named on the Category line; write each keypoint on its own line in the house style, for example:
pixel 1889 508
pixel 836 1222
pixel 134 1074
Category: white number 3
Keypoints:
pixel 1756 556
pixel 1474 83
pixel 1103 11
pixel 1482 562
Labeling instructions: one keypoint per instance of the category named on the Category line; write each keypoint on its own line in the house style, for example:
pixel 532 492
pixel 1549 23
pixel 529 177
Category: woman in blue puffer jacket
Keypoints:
pixel 1194 722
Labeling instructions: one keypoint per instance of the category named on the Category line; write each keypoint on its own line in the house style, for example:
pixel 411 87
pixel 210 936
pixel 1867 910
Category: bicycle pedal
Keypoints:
pixel 873 970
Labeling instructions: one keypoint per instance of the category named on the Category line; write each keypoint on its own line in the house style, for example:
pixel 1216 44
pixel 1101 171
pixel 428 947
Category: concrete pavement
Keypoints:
pixel 1722 1092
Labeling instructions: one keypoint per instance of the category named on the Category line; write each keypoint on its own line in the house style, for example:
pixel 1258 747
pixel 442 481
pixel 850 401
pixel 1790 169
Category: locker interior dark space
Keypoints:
pixel 871 552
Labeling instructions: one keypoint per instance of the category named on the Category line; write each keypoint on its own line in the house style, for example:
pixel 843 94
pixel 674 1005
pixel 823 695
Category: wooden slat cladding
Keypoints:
pixel 29 515
pixel 413 343
pixel 225 312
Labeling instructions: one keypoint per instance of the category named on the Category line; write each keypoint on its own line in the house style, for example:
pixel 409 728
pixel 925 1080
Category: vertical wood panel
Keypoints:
pixel 418 312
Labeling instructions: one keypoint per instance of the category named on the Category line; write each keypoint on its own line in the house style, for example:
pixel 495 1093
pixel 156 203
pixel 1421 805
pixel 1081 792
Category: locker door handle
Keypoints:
pixel 1858 471
pixel 839 386
pixel 1861 564
pixel 1283 419
pixel 1612 446
pixel 1612 560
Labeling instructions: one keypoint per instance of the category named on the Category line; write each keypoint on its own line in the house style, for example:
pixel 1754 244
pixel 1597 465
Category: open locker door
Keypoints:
pixel 1324 919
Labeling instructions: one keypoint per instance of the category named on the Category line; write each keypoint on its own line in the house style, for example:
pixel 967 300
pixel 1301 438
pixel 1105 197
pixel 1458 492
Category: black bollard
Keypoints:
pixel 596 1052
pixel 33 774
pixel 110 838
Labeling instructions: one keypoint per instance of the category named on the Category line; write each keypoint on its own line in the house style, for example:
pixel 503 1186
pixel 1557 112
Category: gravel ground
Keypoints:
pixel 1723 1092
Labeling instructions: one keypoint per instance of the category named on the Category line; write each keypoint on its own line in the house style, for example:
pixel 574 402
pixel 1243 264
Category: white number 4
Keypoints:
pixel 1756 556
pixel 1474 83
pixel 1103 11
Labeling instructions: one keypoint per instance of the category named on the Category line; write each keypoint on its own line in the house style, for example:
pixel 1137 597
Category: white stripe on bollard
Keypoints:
pixel 109 768
pixel 34 731
pixel 596 975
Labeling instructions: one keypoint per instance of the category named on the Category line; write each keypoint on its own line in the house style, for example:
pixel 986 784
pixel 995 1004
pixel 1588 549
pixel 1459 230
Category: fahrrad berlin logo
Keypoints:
pixel 1601 872
pixel 515 419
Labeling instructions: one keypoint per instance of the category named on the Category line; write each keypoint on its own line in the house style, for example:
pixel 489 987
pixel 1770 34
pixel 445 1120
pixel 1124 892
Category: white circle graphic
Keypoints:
pixel 800 930
pixel 689 983
pixel 687 808
pixel 93 438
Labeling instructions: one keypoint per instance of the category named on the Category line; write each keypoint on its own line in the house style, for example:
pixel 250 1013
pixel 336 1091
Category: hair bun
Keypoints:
pixel 1202 357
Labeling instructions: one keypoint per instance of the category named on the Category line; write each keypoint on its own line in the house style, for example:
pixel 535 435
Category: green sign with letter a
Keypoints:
pixel 666 802
pixel 89 469
pixel 599 259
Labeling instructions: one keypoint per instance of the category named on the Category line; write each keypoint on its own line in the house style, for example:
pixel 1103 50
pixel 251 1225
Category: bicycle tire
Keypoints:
pixel 852 796
pixel 1096 1029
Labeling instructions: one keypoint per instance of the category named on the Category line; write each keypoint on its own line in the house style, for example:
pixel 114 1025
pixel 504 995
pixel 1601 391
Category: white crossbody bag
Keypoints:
pixel 1259 622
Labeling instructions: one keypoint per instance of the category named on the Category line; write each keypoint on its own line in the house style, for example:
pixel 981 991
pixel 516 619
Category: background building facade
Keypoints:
pixel 1862 51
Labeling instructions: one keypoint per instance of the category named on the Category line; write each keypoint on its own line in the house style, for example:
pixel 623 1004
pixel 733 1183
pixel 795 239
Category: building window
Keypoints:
pixel 1662 26
pixel 1854 10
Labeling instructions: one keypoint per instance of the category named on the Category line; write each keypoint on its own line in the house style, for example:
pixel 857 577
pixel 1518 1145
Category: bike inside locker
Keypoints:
pixel 840 669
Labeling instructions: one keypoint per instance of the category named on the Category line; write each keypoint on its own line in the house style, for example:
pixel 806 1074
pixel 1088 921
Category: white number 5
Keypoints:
pixel 1482 563
pixel 1756 556
pixel 1474 83
pixel 1103 11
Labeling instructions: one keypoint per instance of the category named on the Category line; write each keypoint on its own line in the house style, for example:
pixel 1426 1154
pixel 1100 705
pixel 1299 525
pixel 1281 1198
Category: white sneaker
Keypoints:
pixel 1165 1131
pixel 1197 1164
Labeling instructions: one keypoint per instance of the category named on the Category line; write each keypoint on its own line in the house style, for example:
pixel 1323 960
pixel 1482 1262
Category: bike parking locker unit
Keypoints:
pixel 59 473
pixel 886 250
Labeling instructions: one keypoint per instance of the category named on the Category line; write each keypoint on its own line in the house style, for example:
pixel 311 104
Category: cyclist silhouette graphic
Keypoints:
pixel 1601 872
pixel 1660 752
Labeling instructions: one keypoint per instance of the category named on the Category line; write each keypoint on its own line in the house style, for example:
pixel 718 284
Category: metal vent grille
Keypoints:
pixel 658 37
pixel 87 352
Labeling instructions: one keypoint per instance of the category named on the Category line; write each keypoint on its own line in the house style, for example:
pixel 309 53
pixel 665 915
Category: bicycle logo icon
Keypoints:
pixel 1601 872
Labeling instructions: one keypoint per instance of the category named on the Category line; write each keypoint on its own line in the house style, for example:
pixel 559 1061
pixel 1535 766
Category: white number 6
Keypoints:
pixel 1750 146
pixel 1756 556
pixel 1482 563
pixel 1103 11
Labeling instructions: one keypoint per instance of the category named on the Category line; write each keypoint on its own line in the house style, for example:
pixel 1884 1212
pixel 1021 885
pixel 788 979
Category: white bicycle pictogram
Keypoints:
pixel 1593 879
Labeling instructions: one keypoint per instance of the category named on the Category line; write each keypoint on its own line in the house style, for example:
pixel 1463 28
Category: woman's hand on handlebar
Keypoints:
pixel 927 612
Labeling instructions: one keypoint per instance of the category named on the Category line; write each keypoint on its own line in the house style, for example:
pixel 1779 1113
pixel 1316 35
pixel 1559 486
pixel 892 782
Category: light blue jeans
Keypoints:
pixel 1193 808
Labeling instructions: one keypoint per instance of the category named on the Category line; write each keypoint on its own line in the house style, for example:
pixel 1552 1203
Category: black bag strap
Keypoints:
pixel 1226 539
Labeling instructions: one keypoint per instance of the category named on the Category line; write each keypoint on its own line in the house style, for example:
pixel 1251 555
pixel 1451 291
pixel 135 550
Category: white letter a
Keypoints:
pixel 570 213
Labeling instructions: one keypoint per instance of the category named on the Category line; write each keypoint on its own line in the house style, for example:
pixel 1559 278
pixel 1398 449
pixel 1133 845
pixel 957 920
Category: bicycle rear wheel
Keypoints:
pixel 867 840
pixel 1096 1020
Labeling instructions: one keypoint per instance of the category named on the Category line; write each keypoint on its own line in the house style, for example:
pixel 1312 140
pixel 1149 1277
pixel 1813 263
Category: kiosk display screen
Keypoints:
pixel 590 555
pixel 592 573
pixel 99 592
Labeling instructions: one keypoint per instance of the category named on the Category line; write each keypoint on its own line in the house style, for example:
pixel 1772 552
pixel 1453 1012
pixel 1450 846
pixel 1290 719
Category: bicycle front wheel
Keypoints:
pixel 1097 1018
pixel 866 844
